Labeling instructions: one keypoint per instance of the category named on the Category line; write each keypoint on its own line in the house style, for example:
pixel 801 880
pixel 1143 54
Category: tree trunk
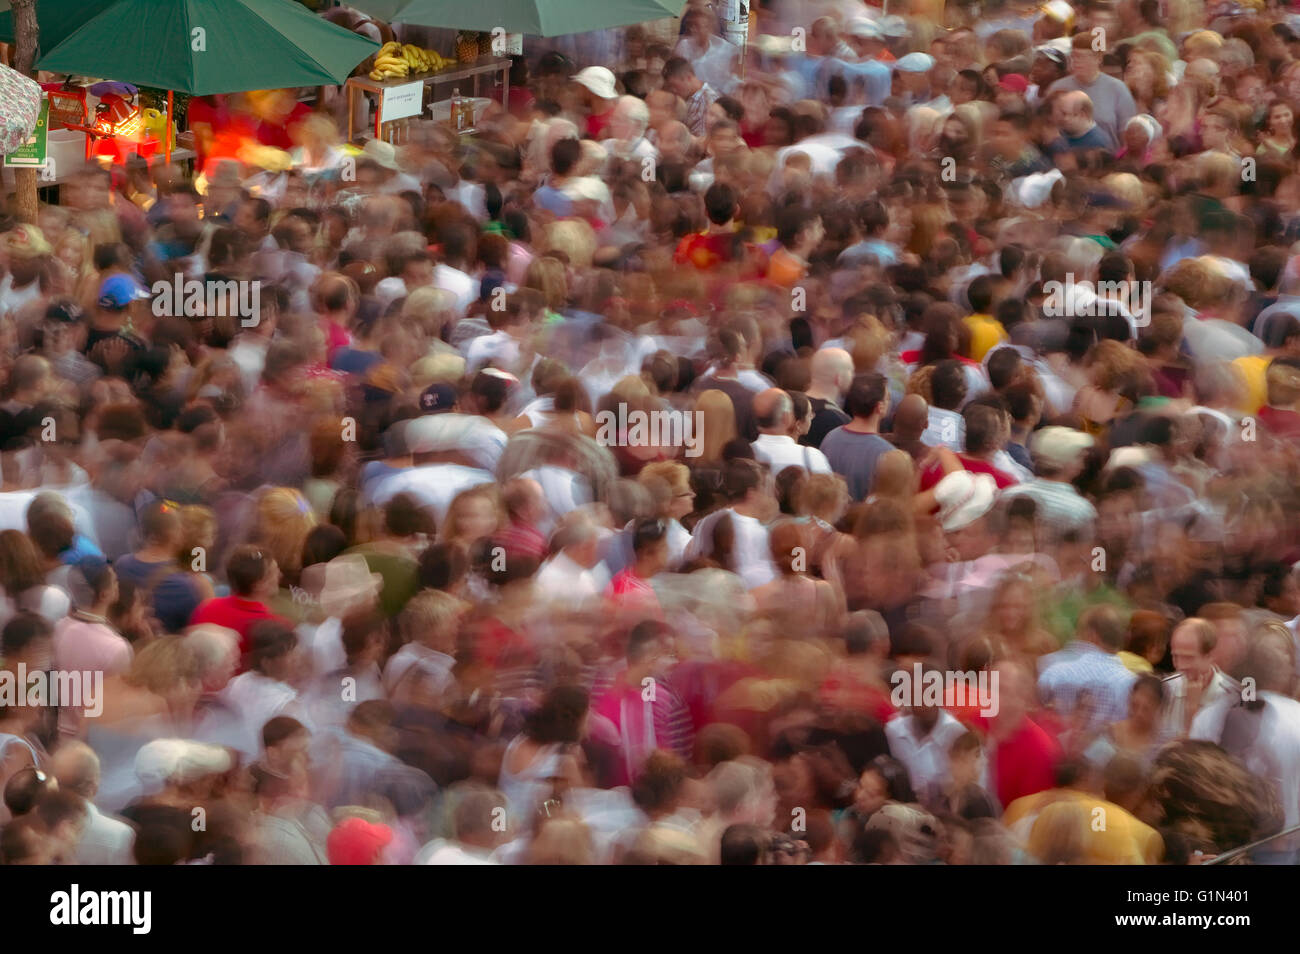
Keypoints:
pixel 25 39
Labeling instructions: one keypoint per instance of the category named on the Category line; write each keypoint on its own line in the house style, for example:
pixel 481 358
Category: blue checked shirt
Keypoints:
pixel 1085 675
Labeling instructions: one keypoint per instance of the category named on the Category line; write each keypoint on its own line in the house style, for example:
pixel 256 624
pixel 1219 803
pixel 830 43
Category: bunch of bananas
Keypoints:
pixel 401 59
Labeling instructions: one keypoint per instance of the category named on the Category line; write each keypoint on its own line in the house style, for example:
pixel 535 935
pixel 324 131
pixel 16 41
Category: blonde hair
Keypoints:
pixel 284 518
pixel 1109 361
pixel 718 422
pixel 489 492
pixel 198 528
pixel 822 494
pixel 164 664
pixel 574 238
pixel 895 475
pixel 547 275
pixel 430 612
pixel 675 474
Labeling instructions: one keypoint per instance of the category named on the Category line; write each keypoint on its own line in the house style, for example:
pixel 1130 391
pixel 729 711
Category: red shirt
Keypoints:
pixel 522 539
pixel 1025 763
pixel 596 124
pixel 705 250
pixel 233 612
pixel 1280 422
pixel 934 473
pixel 628 588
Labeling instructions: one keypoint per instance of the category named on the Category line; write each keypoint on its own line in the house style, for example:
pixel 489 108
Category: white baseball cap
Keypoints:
pixel 915 63
pixel 1060 446
pixel 963 498
pixel 599 80
pixel 864 29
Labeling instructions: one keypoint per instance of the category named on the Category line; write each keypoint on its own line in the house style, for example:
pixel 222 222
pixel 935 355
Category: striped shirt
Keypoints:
pixel 1061 508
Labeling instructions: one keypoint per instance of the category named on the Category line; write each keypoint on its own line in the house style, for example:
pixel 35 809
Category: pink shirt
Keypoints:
pixel 84 646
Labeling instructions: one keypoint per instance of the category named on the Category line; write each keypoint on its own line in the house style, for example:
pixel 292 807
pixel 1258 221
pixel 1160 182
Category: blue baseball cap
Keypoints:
pixel 438 399
pixel 120 290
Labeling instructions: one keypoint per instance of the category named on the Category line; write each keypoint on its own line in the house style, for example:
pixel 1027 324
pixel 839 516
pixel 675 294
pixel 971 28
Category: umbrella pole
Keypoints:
pixel 167 136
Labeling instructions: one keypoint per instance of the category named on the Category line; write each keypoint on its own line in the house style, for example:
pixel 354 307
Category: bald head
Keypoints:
pixel 524 500
pixel 773 411
pixel 912 417
pixel 832 373
pixel 76 766
pixel 1074 112
pixel 631 116
pixel 674 139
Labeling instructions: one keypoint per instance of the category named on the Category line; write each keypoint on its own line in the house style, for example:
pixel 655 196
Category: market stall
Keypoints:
pixel 198 47
pixel 402 96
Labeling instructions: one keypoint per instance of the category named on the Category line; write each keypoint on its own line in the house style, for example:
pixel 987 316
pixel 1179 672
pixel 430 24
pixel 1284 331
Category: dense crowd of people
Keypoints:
pixel 608 485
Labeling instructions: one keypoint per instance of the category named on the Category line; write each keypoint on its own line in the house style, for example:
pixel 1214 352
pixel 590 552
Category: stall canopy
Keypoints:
pixel 203 47
pixel 533 17
pixel 57 19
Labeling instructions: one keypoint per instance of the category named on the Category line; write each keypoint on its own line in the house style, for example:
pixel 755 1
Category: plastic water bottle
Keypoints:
pixel 458 122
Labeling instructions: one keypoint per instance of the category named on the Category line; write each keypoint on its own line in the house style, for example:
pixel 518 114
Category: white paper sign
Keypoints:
pixel 402 101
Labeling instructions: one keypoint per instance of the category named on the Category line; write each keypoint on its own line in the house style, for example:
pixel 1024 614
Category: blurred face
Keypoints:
pixel 724 141
pixel 1135 139
pixel 1143 708
pixel 683 502
pixel 1188 658
pixel 954 131
pixel 290 755
pixel 1085 65
pixel 1214 132
pixel 1043 72
pixel 1280 120
pixel 776 132
pixel 681 85
pixel 963 91
pixel 477 518
pixel 1250 90
pixel 182 210
pixel 1139 77
pixel 1013 609
pixel 871 794
pixel 1116 517
pixel 25 270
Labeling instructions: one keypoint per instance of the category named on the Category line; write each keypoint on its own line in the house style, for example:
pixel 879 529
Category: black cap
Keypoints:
pixel 438 399
pixel 68 312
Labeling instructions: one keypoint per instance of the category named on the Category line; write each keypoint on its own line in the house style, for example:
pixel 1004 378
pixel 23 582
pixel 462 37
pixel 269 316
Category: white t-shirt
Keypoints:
pixel 433 485
pixel 779 451
pixel 459 284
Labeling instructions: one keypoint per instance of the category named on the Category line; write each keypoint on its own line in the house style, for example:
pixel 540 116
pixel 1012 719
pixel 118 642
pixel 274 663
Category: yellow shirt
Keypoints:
pixel 1133 662
pixel 986 333
pixel 1253 371
pixel 1102 832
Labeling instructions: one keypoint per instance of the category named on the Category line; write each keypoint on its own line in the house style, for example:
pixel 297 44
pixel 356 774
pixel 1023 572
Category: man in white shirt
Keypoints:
pixel 1263 733
pixel 474 821
pixel 28 254
pixel 451 273
pixel 920 739
pixel 774 415
pixel 421 671
pixel 576 573
pixel 1197 683
pixel 104 840
pixel 750 490
pixel 511 327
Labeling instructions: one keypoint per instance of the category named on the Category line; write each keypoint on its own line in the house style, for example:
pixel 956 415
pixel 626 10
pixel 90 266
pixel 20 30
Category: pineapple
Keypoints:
pixel 467 47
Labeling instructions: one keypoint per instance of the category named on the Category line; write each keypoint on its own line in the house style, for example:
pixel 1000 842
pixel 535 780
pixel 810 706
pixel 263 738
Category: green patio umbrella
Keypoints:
pixel 533 17
pixel 57 19
pixel 203 47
